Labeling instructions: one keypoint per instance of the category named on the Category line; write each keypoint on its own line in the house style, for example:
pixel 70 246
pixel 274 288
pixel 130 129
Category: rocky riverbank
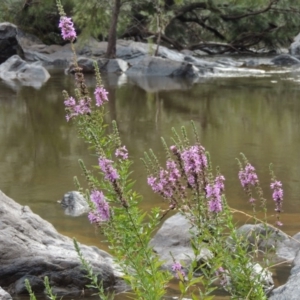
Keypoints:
pixel 134 59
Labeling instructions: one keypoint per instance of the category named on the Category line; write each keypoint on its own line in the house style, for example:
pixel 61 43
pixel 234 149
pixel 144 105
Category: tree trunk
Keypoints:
pixel 112 35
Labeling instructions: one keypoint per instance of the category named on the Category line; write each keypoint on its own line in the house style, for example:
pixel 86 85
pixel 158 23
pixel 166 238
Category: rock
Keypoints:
pixel 271 239
pixel 74 204
pixel 228 62
pixel 174 237
pixel 156 66
pixel 28 74
pixel 118 66
pixel 295 46
pixel 4 295
pixel 9 44
pixel 31 248
pixel 285 60
pixel 290 290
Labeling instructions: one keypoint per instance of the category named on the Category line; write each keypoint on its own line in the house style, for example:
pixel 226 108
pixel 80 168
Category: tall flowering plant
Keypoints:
pixel 189 185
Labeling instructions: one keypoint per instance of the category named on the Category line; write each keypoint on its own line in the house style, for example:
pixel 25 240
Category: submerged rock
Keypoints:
pixel 16 68
pixel 31 248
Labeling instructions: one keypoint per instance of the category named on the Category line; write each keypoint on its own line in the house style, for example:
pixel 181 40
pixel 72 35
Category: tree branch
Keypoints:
pixel 232 18
pixel 202 24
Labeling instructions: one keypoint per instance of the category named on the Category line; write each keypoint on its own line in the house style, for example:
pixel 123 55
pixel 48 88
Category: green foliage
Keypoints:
pixel 242 25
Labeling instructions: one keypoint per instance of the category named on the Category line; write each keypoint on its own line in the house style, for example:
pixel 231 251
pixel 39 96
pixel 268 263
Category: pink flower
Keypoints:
pixel 122 153
pixel 67 29
pixel 110 173
pixel 100 95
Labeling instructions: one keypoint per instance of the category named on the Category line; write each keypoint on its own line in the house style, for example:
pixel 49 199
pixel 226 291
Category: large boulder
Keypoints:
pixel 270 239
pixel 4 295
pixel 31 248
pixel 157 66
pixel 295 46
pixel 9 44
pixel 290 290
pixel 173 242
pixel 285 60
pixel 16 68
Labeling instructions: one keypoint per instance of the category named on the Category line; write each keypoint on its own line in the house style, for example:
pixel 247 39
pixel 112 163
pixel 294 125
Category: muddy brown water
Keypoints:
pixel 259 116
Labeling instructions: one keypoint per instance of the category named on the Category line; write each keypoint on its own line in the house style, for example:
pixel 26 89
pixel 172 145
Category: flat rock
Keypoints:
pixel 32 248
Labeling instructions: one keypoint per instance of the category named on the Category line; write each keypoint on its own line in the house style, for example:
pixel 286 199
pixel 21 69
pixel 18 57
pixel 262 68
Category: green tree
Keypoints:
pixel 213 26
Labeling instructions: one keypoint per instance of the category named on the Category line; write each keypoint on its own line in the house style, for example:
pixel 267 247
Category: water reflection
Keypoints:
pixel 39 149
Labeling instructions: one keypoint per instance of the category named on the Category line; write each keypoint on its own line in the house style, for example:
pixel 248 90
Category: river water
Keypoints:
pixel 257 115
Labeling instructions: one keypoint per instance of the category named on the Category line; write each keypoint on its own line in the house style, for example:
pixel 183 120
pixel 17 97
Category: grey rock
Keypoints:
pixel 74 204
pixel 156 66
pixel 32 248
pixel 4 295
pixel 28 74
pixel 295 46
pixel 118 66
pixel 291 289
pixel 268 238
pixel 228 62
pixel 9 44
pixel 284 60
pixel 174 237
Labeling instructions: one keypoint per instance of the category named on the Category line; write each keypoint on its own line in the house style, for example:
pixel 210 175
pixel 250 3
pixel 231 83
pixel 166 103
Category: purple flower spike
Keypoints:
pixel 70 102
pixel 102 212
pixel 67 29
pixel 276 187
pixel 100 95
pixel 177 267
pixel 110 173
pixel 167 180
pixel 122 153
pixel 248 176
pixel 194 161
pixel 214 193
